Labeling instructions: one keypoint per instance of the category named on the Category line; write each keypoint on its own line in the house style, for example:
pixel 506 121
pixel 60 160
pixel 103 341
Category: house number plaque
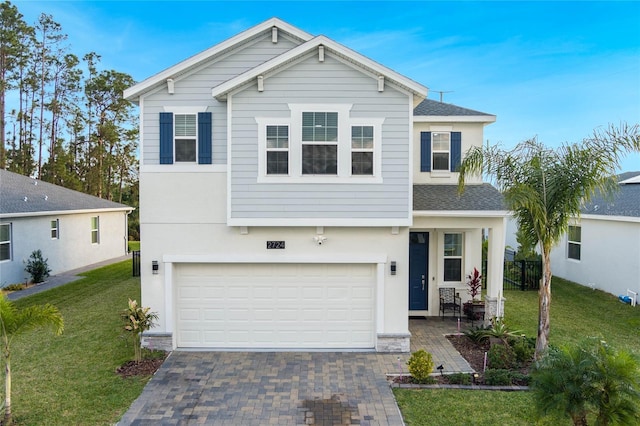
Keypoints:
pixel 277 245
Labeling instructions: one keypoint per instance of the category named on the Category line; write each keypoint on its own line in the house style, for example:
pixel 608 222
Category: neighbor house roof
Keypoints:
pixel 479 197
pixel 430 110
pixel 625 202
pixel 24 196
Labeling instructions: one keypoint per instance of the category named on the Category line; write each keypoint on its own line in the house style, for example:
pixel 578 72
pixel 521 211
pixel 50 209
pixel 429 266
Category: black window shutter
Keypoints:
pixel 166 138
pixel 204 138
pixel 425 151
pixel 456 150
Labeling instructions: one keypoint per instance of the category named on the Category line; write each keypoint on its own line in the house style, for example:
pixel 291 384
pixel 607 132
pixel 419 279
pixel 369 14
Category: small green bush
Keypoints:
pixel 459 379
pixel 501 357
pixel 497 377
pixel 13 287
pixel 37 267
pixel 523 349
pixel 421 366
pixel 477 334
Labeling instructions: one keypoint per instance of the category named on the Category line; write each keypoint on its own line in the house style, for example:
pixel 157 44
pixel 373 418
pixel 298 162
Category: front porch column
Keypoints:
pixel 495 271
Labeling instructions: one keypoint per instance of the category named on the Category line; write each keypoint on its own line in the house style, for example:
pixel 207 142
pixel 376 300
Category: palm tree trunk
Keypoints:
pixel 544 305
pixel 7 391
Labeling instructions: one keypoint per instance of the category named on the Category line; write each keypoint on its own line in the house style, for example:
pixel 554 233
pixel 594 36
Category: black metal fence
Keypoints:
pixel 518 274
pixel 136 263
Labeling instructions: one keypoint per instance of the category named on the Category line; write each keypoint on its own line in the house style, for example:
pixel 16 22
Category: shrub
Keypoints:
pixel 13 287
pixel 136 321
pixel 477 334
pixel 497 377
pixel 501 357
pixel 523 349
pixel 459 379
pixel 421 366
pixel 37 267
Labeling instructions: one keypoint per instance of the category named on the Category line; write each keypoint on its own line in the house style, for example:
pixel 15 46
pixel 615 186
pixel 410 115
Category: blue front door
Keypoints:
pixel 418 254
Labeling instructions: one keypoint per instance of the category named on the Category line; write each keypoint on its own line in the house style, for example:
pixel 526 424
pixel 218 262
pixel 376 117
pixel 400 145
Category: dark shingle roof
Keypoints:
pixel 625 202
pixel 483 197
pixel 45 197
pixel 431 107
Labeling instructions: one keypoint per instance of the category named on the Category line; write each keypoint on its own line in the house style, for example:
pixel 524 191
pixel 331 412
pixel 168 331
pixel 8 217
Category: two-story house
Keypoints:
pixel 295 194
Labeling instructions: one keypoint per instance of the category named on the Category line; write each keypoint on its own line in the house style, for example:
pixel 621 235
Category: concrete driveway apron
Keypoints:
pixel 267 388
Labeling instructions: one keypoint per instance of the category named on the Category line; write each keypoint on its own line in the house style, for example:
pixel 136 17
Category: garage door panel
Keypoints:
pixel 275 306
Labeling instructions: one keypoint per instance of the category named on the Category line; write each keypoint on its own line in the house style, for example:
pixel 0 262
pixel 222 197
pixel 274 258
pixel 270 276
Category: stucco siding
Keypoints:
pixel 73 249
pixel 609 258
pixel 311 82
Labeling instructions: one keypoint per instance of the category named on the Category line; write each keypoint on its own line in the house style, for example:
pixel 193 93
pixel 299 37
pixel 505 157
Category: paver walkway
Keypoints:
pixel 286 388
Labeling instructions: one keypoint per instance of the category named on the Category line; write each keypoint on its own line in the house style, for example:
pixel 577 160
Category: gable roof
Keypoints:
pixel 481 197
pixel 222 90
pixel 625 202
pixel 135 91
pixel 23 196
pixel 430 110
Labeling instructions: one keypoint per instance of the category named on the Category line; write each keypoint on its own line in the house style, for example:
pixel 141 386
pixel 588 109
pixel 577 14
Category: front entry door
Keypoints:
pixel 418 271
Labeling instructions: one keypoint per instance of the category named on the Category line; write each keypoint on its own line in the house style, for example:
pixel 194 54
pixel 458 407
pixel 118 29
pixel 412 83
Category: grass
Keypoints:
pixel 70 379
pixel 576 312
pixel 134 245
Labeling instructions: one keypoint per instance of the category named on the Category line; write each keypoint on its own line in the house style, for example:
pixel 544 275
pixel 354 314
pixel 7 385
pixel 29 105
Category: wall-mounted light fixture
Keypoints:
pixel 393 268
pixel 155 267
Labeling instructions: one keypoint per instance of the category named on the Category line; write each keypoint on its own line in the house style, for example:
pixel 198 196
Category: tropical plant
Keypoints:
pixel 37 267
pixel 137 320
pixel 590 377
pixel 544 188
pixel 474 284
pixel 421 366
pixel 14 322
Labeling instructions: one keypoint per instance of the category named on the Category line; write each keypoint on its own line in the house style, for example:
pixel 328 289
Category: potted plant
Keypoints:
pixel 474 309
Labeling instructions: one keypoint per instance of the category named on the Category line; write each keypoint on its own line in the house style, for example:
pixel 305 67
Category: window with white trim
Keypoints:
pixel 277 150
pixel 55 229
pixel 574 242
pixel 319 143
pixel 95 230
pixel 453 257
pixel 185 136
pixel 440 150
pixel 5 241
pixel 362 150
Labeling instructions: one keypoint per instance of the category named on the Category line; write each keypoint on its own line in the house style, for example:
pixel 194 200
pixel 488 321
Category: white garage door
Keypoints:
pixel 281 306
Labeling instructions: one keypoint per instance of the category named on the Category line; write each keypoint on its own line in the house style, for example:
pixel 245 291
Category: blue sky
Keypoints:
pixel 555 70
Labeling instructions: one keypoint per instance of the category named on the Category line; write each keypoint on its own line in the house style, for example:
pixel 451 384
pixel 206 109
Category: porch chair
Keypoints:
pixel 449 301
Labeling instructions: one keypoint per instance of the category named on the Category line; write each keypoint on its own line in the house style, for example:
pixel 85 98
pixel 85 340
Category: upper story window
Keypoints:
pixel 574 242
pixel 319 143
pixel 95 230
pixel 5 241
pixel 362 150
pixel 185 136
pixel 440 151
pixel 55 229
pixel 453 257
pixel 277 150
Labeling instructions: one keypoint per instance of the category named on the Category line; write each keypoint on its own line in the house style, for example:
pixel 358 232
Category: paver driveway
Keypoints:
pixel 262 388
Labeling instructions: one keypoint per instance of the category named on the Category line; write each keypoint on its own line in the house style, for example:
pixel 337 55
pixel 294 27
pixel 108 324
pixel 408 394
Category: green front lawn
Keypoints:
pixel 576 312
pixel 70 379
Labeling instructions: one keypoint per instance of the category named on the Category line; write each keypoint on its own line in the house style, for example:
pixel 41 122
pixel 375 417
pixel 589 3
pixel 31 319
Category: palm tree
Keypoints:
pixel 590 377
pixel 544 188
pixel 14 321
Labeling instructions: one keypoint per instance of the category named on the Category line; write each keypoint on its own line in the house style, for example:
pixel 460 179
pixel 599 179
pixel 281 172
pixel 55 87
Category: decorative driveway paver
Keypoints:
pixel 286 388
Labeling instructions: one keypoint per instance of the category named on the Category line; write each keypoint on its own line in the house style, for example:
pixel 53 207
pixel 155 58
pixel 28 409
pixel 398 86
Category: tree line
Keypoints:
pixel 62 118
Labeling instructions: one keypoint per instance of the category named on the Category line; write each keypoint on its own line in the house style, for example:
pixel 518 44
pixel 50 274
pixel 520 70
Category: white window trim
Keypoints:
pixel 440 129
pixel 57 228
pixel 579 243
pixel 97 230
pixel 461 257
pixel 184 110
pixel 433 152
pixel 9 241
pixel 344 146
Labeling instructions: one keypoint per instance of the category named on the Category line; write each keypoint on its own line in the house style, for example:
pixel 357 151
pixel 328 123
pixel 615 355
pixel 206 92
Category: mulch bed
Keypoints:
pixel 146 367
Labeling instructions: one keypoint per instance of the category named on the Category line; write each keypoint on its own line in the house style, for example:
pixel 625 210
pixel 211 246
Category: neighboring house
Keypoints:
pixel 71 229
pixel 602 248
pixel 295 194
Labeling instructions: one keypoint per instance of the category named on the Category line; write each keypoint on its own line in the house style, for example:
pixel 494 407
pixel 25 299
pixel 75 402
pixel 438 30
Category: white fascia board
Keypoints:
pixel 279 258
pixel 454 118
pixel 461 213
pixel 222 90
pixel 631 219
pixel 315 222
pixel 135 91
pixel 63 212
